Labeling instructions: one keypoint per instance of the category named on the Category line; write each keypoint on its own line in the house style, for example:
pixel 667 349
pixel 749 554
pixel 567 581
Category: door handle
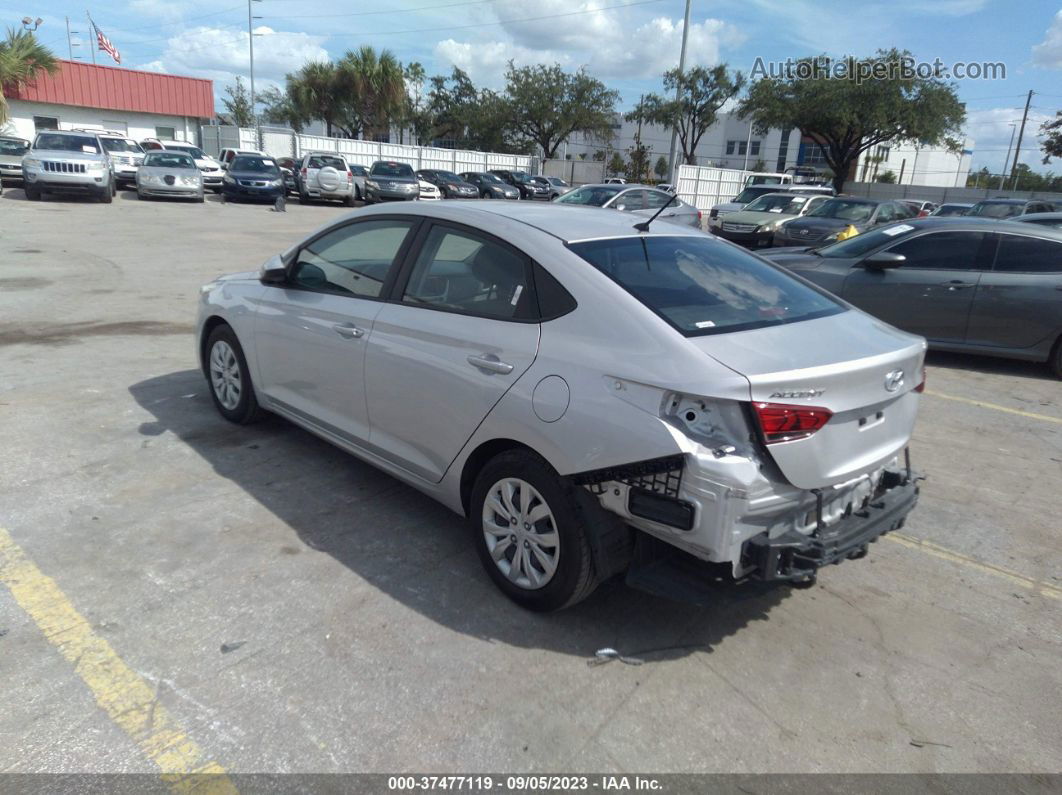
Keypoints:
pixel 348 331
pixel 490 362
pixel 956 284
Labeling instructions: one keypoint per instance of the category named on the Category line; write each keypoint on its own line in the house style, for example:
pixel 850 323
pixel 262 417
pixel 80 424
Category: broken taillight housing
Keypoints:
pixel 783 423
pixel 922 383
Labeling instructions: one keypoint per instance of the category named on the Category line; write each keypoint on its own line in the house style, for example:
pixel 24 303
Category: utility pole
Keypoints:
pixel 69 44
pixel 678 94
pixel 250 45
pixel 748 146
pixel 1017 146
pixel 1003 172
pixel 958 168
pixel 93 40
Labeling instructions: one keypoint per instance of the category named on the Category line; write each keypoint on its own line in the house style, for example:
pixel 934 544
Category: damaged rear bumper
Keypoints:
pixel 794 556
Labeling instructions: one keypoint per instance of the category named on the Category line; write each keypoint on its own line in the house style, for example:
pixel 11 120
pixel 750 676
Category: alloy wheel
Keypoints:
pixel 225 375
pixel 521 533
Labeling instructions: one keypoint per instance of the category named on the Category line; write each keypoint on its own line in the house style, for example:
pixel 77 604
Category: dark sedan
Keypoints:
pixel 449 184
pixel 833 216
pixel 490 186
pixel 521 180
pixel 966 284
pixel 253 178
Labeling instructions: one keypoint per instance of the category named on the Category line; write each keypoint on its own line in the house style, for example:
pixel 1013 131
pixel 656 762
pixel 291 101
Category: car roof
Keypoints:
pixel 1006 200
pixel 1038 217
pixel 565 222
pixel 973 223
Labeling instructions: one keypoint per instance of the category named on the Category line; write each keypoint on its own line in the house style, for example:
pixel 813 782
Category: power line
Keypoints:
pixel 386 11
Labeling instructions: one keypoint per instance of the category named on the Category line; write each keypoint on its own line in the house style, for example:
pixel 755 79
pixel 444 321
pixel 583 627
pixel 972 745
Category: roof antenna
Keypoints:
pixel 644 225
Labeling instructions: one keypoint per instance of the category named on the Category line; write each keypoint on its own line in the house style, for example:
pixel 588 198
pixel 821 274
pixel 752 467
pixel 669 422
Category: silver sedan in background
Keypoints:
pixel 169 174
pixel 592 395
pixel 638 199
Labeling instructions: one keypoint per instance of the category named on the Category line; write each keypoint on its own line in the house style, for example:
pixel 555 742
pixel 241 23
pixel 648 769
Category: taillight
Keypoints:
pixel 350 176
pixel 699 215
pixel 303 171
pixel 921 384
pixel 782 423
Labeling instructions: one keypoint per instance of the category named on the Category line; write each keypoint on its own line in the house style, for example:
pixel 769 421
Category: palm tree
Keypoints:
pixel 373 87
pixel 314 94
pixel 22 58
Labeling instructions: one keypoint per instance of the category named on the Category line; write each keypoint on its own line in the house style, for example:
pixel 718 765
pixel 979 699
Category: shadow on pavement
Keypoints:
pixel 992 365
pixel 417 551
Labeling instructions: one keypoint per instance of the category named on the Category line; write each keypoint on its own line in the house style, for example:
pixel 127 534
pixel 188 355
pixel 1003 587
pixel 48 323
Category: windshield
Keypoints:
pixel 951 209
pixel 995 209
pixel 448 176
pixel 163 159
pixel 488 177
pixel 253 163
pixel 749 194
pixel 560 183
pixel 67 143
pixel 701 287
pixel 592 195
pixel 845 209
pixel 392 170
pixel 10 147
pixel 194 151
pixel 765 180
pixel 868 241
pixel 120 145
pixel 781 203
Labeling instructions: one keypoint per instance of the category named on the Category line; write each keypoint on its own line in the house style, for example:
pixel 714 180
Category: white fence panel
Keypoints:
pixel 279 143
pixel 705 186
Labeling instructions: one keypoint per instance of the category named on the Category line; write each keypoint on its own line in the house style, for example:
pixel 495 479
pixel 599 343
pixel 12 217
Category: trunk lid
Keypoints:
pixel 859 368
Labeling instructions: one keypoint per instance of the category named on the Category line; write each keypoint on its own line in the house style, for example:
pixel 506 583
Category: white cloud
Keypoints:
pixel 991 127
pixel 1048 53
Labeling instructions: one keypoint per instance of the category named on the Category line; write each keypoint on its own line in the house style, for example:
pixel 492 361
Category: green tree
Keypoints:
pixel 548 105
pixel 847 115
pixel 315 93
pixel 237 102
pixel 637 166
pixel 416 113
pixel 616 164
pixel 702 92
pixel 1052 137
pixel 278 107
pixel 661 169
pixel 22 58
pixel 372 90
pixel 472 118
pixel 886 177
pixel 760 165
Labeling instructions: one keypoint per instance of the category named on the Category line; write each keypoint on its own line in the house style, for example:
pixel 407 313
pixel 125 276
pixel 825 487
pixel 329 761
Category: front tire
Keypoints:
pixel 108 194
pixel 530 533
pixel 229 379
pixel 32 193
pixel 1056 359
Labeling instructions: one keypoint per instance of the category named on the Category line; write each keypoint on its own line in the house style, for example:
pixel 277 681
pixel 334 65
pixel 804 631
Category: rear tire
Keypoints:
pixel 530 532
pixel 1056 359
pixel 303 198
pixel 349 200
pixel 229 379
pixel 201 197
pixel 32 193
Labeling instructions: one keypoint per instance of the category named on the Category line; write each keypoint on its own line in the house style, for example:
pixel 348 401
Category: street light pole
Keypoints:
pixel 1017 146
pixel 250 46
pixel 1003 173
pixel 678 94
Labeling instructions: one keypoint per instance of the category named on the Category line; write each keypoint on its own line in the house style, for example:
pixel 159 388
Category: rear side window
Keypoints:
pixel 956 251
pixel 462 272
pixel 1018 254
pixel 353 260
pixel 701 287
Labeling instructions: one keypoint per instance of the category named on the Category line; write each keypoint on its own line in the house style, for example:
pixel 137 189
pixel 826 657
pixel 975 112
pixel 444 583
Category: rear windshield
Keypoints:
pixel 392 170
pixel 323 161
pixel 194 151
pixel 996 209
pixel 844 209
pixel 263 165
pixel 781 203
pixel 593 195
pixel 121 145
pixel 164 159
pixel 9 147
pixel 702 287
pixel 67 143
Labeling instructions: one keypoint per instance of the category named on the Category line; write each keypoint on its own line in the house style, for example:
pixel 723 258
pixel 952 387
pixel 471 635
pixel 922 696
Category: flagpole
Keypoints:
pixel 94 35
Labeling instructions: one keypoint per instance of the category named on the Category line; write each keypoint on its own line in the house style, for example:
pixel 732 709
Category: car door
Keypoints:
pixel 459 335
pixel 1018 303
pixel 931 293
pixel 311 332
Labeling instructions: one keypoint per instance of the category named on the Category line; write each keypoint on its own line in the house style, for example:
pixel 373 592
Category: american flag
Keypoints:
pixel 106 46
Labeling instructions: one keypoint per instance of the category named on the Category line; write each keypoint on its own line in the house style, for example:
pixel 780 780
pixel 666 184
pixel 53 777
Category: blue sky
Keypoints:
pixel 626 43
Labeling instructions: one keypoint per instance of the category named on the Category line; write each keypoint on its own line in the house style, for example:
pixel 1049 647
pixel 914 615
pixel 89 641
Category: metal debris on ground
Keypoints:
pixel 602 656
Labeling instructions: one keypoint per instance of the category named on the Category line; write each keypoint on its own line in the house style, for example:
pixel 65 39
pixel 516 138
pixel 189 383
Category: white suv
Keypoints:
pixel 125 153
pixel 64 161
pixel 324 175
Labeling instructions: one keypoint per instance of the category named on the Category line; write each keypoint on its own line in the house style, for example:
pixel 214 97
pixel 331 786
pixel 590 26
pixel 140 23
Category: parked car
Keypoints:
pixel 226 156
pixel 68 162
pixel 12 150
pixel 921 207
pixel 150 144
pixel 632 198
pixel 252 178
pixel 450 185
pixel 1003 207
pixel 326 176
pixel 169 174
pixel 360 174
pixel 756 224
pixel 125 153
pixel 1053 220
pixel 428 192
pixel 575 453
pixel 490 186
pixel 210 168
pixel 716 213
pixel 666 187
pixel 555 185
pixel 615 181
pixel 521 180
pixel 391 181
pixel 966 284
pixel 289 167
pixel 829 219
pixel 949 209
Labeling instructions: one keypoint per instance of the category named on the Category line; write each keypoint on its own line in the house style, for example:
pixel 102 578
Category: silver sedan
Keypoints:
pixel 169 174
pixel 594 396
pixel 638 199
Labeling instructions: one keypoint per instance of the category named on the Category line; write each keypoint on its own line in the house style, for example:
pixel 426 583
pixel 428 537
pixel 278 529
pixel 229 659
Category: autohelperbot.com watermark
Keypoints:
pixel 865 70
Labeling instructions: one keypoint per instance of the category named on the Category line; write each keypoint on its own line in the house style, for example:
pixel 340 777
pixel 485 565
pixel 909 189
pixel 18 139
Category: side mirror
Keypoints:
pixel 274 271
pixel 883 260
pixel 621 206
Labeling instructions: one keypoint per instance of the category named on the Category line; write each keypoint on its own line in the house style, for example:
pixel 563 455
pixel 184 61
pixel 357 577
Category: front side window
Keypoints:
pixel 701 287
pixel 629 200
pixel 462 272
pixel 957 251
pixel 353 260
pixel 592 195
pixel 1019 254
pixel 656 199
